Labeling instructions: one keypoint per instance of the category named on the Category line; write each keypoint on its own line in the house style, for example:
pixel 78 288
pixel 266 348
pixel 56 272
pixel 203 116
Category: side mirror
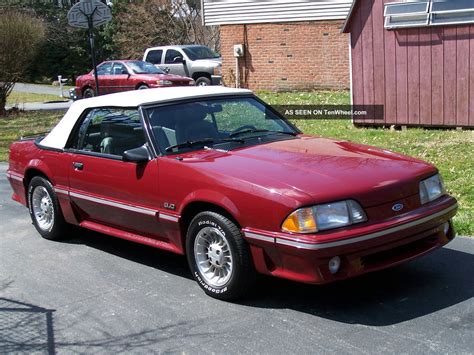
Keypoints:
pixel 136 155
pixel 125 72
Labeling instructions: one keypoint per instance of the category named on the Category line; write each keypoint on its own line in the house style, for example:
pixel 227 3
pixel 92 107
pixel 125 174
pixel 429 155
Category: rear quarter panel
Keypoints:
pixel 27 160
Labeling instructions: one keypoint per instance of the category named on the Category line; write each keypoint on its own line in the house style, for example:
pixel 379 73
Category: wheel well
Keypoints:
pixel 140 84
pixel 191 210
pixel 199 74
pixel 85 88
pixel 30 174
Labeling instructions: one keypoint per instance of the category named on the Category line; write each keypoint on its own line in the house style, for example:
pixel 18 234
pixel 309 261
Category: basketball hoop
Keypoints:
pixel 88 14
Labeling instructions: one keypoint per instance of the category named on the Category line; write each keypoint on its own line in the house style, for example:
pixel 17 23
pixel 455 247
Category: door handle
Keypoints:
pixel 78 166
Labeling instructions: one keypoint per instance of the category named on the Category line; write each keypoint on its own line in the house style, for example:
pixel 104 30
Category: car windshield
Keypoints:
pixel 226 123
pixel 200 52
pixel 139 67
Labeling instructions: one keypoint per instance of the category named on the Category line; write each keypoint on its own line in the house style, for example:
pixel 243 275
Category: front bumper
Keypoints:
pixel 216 79
pixel 363 249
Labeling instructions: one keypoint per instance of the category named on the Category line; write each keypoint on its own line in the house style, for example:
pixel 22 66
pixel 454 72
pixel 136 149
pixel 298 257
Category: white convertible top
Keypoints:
pixel 57 138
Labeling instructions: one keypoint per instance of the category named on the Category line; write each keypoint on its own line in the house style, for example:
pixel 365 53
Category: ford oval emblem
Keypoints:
pixel 397 207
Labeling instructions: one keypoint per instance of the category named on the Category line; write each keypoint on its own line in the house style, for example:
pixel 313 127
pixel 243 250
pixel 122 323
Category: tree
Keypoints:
pixel 137 25
pixel 20 35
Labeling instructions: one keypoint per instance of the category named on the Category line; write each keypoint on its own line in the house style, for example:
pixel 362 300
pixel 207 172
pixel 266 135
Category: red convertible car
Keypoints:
pixel 216 174
pixel 124 75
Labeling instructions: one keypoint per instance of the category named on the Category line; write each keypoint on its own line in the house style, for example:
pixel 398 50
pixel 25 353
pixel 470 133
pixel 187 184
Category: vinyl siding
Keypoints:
pixel 223 12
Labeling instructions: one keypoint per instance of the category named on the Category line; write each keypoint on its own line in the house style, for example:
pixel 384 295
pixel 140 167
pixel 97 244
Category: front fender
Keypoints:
pixel 213 197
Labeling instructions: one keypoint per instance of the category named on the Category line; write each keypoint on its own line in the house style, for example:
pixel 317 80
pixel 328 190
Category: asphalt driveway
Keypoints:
pixel 94 293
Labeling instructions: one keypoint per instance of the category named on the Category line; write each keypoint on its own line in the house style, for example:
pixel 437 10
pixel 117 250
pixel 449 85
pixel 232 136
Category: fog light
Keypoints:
pixel 334 264
pixel 446 228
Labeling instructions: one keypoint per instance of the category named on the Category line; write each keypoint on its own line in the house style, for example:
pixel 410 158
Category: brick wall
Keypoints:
pixel 287 56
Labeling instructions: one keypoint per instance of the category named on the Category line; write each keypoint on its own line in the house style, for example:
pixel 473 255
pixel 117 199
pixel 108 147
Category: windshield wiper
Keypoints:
pixel 235 134
pixel 189 144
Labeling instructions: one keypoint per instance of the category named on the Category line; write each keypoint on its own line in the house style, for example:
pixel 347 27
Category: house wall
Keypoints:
pixel 223 12
pixel 422 76
pixel 287 56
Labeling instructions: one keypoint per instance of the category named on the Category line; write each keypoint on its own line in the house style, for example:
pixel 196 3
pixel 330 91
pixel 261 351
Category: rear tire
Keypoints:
pixel 142 87
pixel 45 211
pixel 89 92
pixel 218 256
pixel 203 81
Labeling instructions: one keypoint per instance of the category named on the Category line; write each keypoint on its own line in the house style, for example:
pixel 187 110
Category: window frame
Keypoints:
pixel 429 13
pixel 75 132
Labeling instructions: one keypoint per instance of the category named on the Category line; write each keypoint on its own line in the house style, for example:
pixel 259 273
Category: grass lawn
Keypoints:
pixel 450 150
pixel 22 97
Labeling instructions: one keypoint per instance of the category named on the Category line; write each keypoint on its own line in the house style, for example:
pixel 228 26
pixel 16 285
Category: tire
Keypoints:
pixel 203 81
pixel 142 87
pixel 45 211
pixel 89 92
pixel 215 243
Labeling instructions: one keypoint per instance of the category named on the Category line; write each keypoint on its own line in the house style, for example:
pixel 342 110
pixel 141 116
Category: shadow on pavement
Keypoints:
pixel 156 258
pixel 25 328
pixel 415 289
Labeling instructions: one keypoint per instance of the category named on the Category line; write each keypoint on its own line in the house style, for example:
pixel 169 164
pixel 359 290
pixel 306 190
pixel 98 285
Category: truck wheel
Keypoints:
pixel 218 256
pixel 89 92
pixel 203 81
pixel 44 209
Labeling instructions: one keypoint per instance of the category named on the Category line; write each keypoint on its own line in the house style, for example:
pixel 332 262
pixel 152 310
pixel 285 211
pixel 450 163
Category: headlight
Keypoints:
pixel 323 217
pixel 164 82
pixel 217 70
pixel 431 188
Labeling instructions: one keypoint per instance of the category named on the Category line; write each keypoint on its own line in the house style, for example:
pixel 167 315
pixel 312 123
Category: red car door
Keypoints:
pixel 104 189
pixel 120 80
pixel 104 75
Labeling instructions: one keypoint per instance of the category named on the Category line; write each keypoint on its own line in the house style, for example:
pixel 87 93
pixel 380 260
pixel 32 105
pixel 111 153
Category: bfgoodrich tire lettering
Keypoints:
pixel 44 209
pixel 218 256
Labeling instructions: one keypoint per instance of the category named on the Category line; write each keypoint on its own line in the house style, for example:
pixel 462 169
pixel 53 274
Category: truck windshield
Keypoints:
pixel 200 52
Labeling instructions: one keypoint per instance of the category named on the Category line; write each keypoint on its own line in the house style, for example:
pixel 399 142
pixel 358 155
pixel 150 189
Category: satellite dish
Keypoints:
pixel 89 13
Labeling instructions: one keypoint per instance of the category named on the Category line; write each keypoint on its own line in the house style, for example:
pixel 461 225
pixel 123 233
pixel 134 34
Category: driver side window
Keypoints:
pixel 110 131
pixel 172 56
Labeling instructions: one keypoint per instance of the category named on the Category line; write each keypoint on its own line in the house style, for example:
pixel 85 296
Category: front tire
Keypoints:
pixel 218 256
pixel 45 211
pixel 142 87
pixel 203 81
pixel 89 92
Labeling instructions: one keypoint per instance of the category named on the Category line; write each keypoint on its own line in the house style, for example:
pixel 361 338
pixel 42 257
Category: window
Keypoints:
pixel 428 13
pixel 104 69
pixel 217 120
pixel 119 69
pixel 110 131
pixel 139 67
pixel 200 52
pixel 154 56
pixel 173 56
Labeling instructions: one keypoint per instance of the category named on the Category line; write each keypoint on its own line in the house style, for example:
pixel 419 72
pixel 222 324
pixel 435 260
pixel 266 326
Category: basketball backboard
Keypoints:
pixel 98 12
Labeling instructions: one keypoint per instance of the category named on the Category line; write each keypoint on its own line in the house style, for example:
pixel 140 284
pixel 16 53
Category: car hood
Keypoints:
pixel 211 61
pixel 323 169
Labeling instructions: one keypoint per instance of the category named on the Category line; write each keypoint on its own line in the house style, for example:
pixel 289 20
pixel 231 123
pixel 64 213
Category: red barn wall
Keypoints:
pixel 422 76
pixel 287 56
